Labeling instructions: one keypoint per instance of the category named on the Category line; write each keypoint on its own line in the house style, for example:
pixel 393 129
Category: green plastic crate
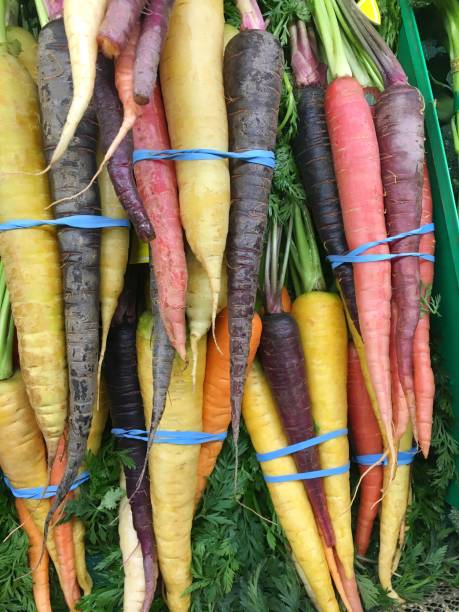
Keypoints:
pixel 446 327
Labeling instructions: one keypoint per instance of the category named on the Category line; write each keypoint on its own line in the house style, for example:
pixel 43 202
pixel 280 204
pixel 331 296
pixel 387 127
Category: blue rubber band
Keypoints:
pixel 403 458
pixel 43 492
pixel 77 221
pixel 355 256
pixel 254 156
pixel 309 475
pixel 170 437
pixel 294 448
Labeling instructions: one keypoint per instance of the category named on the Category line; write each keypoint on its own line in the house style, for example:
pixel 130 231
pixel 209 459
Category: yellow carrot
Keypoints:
pixel 289 498
pixel 114 249
pixel 173 468
pixel 192 86
pixel 393 512
pixel 28 52
pixel 22 451
pixel 31 257
pixel 323 332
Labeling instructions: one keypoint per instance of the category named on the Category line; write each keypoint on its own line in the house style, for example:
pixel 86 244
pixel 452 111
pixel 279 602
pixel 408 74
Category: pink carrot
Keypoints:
pixel 157 186
pixel 424 383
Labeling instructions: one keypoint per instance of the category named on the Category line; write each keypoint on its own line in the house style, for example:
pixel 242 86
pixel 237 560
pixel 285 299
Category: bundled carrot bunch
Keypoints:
pixel 91 139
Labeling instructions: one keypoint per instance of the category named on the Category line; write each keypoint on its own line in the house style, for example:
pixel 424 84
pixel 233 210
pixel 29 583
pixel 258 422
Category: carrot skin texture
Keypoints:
pixel 34 278
pixel 151 42
pixel 282 358
pixel 39 568
pixel 314 159
pixel 424 382
pixel 366 440
pixel 399 122
pixel 110 117
pixel 358 175
pixel 157 185
pixel 252 70
pixel 80 249
pixel 118 22
pixel 63 533
pixel 216 404
pixel 126 411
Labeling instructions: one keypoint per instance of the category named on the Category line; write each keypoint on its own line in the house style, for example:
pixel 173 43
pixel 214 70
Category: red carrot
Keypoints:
pixel 366 440
pixel 424 383
pixel 157 186
pixel 152 36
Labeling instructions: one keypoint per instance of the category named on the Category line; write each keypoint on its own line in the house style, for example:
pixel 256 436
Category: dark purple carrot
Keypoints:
pixel 283 362
pixel 110 116
pixel 116 27
pixel 126 411
pixel 313 155
pixel 253 66
pixel 79 248
pixel 399 122
pixel 152 37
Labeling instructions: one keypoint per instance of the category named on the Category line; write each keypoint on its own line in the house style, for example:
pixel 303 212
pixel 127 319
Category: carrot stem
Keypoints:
pixel 42 12
pixel 251 16
pixel 6 329
pixel 307 256
pixel 3 22
pixel 330 34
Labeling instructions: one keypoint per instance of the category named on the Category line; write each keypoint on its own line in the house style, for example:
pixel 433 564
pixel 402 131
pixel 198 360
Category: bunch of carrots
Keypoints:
pixel 96 116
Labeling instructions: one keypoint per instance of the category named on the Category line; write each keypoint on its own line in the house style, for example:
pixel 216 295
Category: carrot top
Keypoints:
pixel 251 16
pixel 6 329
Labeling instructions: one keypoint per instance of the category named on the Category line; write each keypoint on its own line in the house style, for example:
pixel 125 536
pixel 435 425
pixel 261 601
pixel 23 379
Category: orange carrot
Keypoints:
pixel 216 406
pixel 400 409
pixel 366 440
pixel 39 567
pixel 358 174
pixel 63 534
pixel 424 383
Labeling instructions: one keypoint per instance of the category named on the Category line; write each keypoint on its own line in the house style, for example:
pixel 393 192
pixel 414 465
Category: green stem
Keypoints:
pixel 291 102
pixel 3 22
pixel 286 254
pixel 6 330
pixel 42 12
pixel 305 254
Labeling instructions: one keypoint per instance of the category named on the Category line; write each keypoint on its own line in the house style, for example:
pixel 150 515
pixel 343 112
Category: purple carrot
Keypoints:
pixel 399 122
pixel 152 37
pixel 252 70
pixel 116 27
pixel 126 411
pixel 110 116
pixel 283 362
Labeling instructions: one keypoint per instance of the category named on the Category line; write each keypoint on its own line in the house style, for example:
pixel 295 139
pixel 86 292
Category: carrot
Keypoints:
pixel 119 20
pixel 192 87
pixel 114 248
pixel 289 498
pixel 400 411
pixel 216 405
pixel 366 440
pixel 358 174
pixel 199 301
pixel 282 358
pixel 31 257
pixel 173 468
pixel 323 332
pixel 82 21
pixel 399 122
pixel 28 53
pixel 63 533
pixel 24 464
pixel 424 383
pixel 314 158
pixel 253 66
pixel 126 412
pixel 157 186
pixel 110 118
pixel 80 248
pixel 134 577
pixel 393 511
pixel 38 563
pixel 151 42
